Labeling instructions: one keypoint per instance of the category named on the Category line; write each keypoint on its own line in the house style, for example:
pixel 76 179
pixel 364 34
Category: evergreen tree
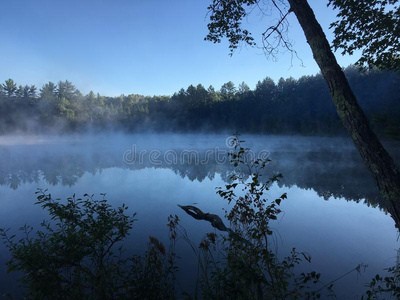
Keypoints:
pixel 9 88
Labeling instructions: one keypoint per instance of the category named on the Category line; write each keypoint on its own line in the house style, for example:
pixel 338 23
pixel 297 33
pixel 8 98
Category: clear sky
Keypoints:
pixel 150 47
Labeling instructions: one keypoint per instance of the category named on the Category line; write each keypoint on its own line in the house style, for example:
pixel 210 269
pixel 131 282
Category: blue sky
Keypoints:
pixel 150 47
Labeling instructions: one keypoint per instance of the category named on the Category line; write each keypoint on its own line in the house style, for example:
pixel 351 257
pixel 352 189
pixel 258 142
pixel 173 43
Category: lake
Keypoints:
pixel 333 211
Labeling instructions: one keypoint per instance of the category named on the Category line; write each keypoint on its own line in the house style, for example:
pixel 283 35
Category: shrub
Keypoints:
pixel 79 254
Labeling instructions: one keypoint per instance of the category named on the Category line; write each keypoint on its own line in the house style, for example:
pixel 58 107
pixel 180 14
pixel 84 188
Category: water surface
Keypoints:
pixel 333 211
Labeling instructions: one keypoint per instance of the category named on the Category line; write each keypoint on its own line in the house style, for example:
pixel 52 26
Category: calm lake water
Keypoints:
pixel 333 210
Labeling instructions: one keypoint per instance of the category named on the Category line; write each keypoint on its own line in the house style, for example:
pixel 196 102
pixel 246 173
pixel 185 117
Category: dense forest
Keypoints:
pixel 289 106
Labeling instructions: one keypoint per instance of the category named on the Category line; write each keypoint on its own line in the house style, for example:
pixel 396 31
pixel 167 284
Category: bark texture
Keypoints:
pixel 376 158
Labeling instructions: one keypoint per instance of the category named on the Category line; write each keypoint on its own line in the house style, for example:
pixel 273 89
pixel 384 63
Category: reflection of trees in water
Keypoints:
pixel 58 169
pixel 330 172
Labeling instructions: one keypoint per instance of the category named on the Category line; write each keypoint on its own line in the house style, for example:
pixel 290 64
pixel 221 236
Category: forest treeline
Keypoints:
pixel 289 106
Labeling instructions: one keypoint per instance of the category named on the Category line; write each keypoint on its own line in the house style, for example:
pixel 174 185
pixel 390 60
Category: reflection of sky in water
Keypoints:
pixel 338 234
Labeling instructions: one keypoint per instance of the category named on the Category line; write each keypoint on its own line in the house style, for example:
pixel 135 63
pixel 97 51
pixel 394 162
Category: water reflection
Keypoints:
pixel 345 232
pixel 331 167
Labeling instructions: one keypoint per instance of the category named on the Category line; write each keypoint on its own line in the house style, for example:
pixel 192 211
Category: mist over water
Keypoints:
pixel 333 211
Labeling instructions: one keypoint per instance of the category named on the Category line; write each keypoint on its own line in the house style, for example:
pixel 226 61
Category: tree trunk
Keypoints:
pixel 376 158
